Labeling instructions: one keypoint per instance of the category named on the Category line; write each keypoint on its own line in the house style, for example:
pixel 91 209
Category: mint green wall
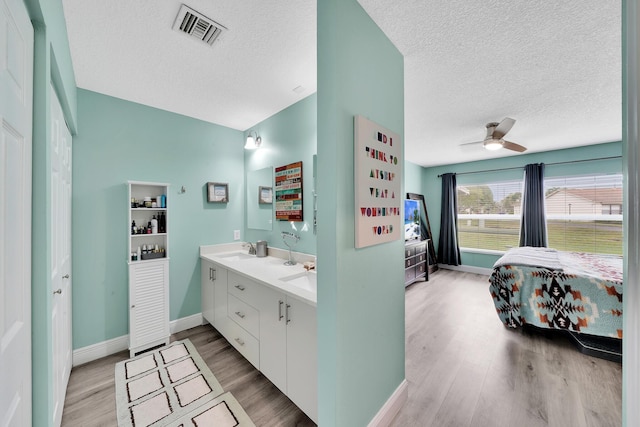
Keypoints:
pixel 412 178
pixel 52 63
pixel 287 137
pixel 360 291
pixel 432 184
pixel 120 141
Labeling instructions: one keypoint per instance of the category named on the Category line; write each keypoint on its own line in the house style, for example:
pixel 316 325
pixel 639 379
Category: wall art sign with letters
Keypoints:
pixel 377 183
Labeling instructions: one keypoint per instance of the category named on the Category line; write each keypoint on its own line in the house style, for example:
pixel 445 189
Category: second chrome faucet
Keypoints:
pixel 252 249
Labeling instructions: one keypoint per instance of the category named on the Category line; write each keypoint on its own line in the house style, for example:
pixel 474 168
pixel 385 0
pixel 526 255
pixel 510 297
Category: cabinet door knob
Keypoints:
pixel 66 276
pixel 239 341
pixel 240 315
pixel 280 316
pixel 240 287
pixel 287 313
pixel 59 291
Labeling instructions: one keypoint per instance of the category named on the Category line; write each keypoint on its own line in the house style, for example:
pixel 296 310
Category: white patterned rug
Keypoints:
pixel 172 386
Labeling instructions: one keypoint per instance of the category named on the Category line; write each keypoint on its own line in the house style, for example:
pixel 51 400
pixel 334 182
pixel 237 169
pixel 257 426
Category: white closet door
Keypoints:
pixel 16 94
pixel 60 145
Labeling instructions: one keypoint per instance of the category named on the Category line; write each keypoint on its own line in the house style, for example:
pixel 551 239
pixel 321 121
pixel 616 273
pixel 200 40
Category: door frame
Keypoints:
pixel 631 152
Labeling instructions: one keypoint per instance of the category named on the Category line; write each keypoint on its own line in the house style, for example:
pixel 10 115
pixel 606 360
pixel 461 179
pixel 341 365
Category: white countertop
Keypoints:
pixel 269 270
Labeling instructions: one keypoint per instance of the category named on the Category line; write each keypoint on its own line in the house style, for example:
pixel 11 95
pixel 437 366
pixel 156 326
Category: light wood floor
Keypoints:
pixel 91 400
pixel 463 367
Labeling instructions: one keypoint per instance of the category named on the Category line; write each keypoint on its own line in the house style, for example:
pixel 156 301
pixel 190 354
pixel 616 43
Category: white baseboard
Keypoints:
pixel 185 323
pixel 467 269
pixel 105 348
pixel 99 350
pixel 392 406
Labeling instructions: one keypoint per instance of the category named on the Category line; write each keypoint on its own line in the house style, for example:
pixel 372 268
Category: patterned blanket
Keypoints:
pixel 583 294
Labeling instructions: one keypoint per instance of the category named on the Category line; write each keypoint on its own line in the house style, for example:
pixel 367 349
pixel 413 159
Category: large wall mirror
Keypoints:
pixel 260 199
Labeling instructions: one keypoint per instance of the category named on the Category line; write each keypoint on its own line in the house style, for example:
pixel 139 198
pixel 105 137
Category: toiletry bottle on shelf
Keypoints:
pixel 133 227
pixel 154 225
pixel 162 223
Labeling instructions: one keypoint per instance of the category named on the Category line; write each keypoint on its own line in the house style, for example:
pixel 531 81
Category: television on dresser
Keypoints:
pixel 412 215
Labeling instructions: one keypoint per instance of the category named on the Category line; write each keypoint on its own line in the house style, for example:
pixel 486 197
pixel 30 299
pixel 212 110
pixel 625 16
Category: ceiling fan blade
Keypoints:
pixel 471 143
pixel 504 127
pixel 513 146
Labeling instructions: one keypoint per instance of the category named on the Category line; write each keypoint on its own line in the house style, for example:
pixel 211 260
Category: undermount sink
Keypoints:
pixel 305 280
pixel 236 256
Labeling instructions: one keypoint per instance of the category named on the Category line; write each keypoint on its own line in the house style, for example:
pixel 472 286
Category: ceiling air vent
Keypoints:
pixel 197 25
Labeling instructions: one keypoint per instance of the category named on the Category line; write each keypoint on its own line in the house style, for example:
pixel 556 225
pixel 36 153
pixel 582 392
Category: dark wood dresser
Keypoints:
pixel 415 261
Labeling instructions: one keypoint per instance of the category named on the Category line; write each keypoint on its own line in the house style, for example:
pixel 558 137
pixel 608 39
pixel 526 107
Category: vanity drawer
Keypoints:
pixel 244 315
pixel 245 343
pixel 244 289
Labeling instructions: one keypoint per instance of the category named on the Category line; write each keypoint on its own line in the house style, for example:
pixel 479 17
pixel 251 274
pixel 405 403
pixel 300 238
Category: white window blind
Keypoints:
pixel 584 213
pixel 489 215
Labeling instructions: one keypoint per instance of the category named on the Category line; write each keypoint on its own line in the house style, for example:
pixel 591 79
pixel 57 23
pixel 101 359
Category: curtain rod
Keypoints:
pixel 547 164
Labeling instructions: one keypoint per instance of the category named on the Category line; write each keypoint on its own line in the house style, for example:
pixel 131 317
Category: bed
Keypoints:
pixel 550 289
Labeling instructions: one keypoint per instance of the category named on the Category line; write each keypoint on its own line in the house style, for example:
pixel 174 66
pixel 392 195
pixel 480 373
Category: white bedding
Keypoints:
pixel 532 257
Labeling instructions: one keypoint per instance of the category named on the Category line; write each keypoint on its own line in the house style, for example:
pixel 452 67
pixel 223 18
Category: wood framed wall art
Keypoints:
pixel 217 192
pixel 265 195
pixel 289 192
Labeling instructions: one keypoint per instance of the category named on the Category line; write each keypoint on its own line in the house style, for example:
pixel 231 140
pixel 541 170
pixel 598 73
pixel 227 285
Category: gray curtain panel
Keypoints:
pixel 533 227
pixel 448 249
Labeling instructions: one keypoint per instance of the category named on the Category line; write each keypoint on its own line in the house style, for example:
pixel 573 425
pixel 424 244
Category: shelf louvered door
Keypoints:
pixel 148 305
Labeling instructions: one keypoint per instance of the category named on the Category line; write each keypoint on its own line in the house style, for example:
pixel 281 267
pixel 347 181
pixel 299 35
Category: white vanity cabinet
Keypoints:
pixel 214 293
pixel 207 301
pixel 273 328
pixel 288 347
pixel 302 356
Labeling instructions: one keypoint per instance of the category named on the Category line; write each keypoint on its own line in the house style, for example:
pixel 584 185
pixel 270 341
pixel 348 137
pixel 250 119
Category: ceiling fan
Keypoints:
pixel 495 132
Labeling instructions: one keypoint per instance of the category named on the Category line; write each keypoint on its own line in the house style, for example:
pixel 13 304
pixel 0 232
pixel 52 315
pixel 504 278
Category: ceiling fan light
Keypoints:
pixel 493 144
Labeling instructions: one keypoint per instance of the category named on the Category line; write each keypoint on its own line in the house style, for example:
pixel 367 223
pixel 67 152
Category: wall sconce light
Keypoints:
pixel 253 141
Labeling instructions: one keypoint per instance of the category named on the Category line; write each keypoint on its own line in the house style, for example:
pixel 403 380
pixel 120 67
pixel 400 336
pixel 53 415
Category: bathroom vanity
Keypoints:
pixel 267 311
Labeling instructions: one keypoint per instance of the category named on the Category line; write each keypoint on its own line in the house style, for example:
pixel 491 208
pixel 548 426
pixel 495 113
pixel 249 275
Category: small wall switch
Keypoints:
pixel 236 234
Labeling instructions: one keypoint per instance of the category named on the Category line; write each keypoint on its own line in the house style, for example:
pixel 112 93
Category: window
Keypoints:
pixel 489 215
pixel 584 213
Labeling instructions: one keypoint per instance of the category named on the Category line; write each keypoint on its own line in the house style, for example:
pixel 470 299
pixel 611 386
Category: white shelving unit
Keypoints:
pixel 148 273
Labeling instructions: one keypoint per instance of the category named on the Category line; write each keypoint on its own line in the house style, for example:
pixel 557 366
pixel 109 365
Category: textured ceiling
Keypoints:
pixel 554 66
pixel 129 50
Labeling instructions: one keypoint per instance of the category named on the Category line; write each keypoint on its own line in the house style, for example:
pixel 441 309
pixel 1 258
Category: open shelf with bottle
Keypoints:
pixel 148 217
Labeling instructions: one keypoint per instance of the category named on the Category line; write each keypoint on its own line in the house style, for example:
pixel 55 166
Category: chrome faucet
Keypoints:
pixel 290 239
pixel 252 249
